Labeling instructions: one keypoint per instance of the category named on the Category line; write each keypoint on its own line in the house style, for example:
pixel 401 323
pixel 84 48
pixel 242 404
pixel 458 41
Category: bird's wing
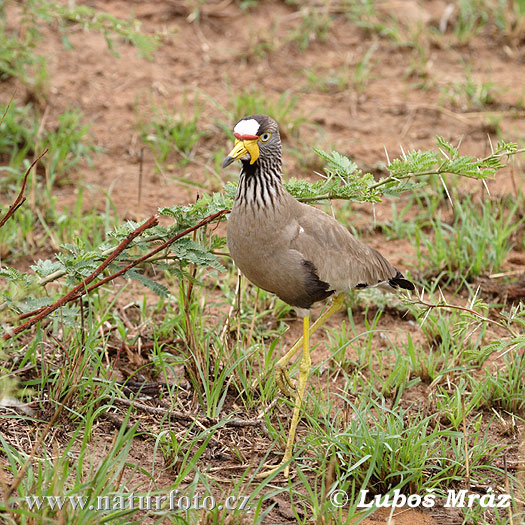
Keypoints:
pixel 338 257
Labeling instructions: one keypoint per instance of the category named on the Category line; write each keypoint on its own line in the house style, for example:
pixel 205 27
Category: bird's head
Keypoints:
pixel 256 136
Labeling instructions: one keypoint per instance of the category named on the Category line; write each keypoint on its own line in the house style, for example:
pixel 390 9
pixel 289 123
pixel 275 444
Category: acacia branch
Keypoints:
pixel 158 249
pixel 81 288
pixel 441 171
pixel 146 240
pixel 445 304
pixel 20 199
pixel 410 175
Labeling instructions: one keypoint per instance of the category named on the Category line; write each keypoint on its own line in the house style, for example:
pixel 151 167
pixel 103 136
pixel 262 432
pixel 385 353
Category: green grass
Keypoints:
pixel 476 242
pixel 18 48
pixel 471 19
pixel 469 95
pixel 39 230
pixel 314 26
pixel 18 135
pixel 333 81
pixel 404 398
pixel 45 222
pixel 384 448
pixel 167 133
pixel 358 76
pixel 18 58
pixel 68 141
pixel 505 388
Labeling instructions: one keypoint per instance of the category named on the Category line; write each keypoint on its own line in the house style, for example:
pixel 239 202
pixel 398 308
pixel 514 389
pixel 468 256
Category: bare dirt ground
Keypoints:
pixel 230 50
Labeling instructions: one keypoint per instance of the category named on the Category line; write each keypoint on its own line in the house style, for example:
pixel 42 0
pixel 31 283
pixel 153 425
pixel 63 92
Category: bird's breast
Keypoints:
pixel 260 247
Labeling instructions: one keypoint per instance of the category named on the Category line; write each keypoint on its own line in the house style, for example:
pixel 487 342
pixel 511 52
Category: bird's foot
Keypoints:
pixel 270 470
pixel 283 380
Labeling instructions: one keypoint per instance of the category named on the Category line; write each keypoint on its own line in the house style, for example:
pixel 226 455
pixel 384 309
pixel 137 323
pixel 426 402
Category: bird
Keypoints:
pixel 294 250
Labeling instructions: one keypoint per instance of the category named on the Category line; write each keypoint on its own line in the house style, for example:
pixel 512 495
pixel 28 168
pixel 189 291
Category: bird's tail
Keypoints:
pixel 398 281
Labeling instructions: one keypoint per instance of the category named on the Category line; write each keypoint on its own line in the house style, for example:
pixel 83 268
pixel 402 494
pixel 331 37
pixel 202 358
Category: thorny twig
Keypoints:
pixel 439 170
pixel 81 288
pixel 20 199
pixel 159 248
pixel 444 304
pixel 146 240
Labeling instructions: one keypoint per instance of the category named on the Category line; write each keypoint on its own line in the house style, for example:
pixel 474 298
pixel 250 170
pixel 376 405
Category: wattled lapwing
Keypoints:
pixel 294 250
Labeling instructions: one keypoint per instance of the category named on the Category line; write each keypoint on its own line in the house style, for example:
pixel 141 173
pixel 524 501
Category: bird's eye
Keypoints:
pixel 265 137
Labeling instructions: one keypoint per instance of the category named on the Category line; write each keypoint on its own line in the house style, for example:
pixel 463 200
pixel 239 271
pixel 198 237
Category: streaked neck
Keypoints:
pixel 260 185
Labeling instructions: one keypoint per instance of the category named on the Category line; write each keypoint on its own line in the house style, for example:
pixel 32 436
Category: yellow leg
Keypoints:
pixel 304 370
pixel 281 374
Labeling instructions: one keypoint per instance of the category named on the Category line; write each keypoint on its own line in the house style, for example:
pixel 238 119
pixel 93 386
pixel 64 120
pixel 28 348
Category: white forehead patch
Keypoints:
pixel 247 127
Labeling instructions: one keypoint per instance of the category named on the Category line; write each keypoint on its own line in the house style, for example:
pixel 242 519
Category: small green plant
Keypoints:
pixel 363 69
pixel 454 340
pixel 478 240
pixel 334 81
pixel 469 94
pixel 315 25
pixel 366 15
pixel 18 58
pixel 471 19
pixel 52 227
pixel 506 387
pixel 18 55
pixel 92 20
pixel 358 76
pixel 18 131
pixel 167 132
pixel 263 41
pixel 384 449
pixel 400 226
pixel 68 141
pixel 64 478
pixel 456 405
pixel 510 17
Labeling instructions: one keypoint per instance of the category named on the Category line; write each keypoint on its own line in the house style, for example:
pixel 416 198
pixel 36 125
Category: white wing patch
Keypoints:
pixel 247 127
pixel 301 229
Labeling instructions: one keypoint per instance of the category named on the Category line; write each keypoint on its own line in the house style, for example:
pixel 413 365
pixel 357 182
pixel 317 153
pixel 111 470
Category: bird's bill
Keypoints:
pixel 241 148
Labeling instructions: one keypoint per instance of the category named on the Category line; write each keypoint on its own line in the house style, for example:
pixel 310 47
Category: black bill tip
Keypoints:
pixel 227 161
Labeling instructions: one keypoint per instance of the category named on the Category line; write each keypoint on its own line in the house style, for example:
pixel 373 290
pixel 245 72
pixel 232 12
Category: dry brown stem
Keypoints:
pixel 20 199
pixel 82 288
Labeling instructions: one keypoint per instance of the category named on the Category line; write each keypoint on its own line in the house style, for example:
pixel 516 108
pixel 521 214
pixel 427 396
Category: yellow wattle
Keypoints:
pixel 245 146
pixel 253 149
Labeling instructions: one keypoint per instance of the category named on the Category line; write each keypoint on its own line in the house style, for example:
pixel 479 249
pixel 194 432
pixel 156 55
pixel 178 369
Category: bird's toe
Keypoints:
pixel 284 382
pixel 271 470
